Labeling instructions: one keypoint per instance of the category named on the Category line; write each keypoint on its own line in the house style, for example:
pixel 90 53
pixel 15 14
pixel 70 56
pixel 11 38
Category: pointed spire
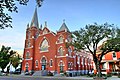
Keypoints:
pixel 63 20
pixel 45 24
pixel 34 21
pixel 28 25
pixel 41 26
pixel 64 27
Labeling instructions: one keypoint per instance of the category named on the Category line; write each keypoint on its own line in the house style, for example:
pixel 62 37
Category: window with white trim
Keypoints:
pixel 26 66
pixel 114 54
pixel 61 67
pixel 36 63
pixel 61 51
pixel 68 64
pixel 103 65
pixel 44 45
pixel 29 34
pixel 51 63
pixel 60 39
pixel 36 34
pixel 78 59
pixel 27 55
pixel 69 51
pixel 28 44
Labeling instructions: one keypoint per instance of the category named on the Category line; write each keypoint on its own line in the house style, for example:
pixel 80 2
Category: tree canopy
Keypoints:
pixel 90 37
pixel 6 54
pixel 15 60
pixel 10 6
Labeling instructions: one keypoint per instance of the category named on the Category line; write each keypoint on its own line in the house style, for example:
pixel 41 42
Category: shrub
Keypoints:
pixel 119 76
pixel 109 75
pixel 61 71
pixel 65 74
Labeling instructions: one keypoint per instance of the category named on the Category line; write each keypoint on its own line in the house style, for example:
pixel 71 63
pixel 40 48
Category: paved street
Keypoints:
pixel 37 78
pixel 50 78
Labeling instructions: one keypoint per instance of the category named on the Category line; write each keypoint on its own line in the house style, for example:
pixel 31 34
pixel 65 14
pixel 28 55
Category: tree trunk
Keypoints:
pixel 97 64
pixel 2 70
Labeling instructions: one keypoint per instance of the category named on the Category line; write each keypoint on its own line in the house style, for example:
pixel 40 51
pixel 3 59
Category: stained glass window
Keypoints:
pixel 27 55
pixel 43 61
pixel 68 65
pixel 44 45
pixel 60 39
pixel 51 62
pixel 27 65
pixel 28 43
pixel 61 51
pixel 69 51
pixel 61 67
pixel 37 34
pixel 36 63
pixel 29 34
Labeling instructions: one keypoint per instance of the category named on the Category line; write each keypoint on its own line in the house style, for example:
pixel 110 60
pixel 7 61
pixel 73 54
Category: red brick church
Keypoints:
pixel 46 51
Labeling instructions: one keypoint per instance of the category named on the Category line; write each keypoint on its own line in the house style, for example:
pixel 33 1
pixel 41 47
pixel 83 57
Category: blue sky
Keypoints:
pixel 77 13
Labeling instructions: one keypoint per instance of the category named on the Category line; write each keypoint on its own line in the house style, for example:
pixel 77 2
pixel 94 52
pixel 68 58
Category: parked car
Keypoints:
pixel 27 73
pixel 17 71
pixel 3 74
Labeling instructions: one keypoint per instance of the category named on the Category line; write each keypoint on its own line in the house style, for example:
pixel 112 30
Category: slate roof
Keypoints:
pixel 64 27
pixel 34 21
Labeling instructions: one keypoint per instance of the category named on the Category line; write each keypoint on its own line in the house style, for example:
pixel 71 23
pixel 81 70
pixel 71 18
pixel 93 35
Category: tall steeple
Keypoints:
pixel 34 21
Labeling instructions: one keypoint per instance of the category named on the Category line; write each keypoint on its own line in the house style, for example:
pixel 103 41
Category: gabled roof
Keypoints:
pixel 64 27
pixel 34 21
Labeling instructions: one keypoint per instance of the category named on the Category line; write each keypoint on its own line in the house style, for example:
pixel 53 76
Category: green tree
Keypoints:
pixel 5 54
pixel 15 60
pixel 10 6
pixel 91 36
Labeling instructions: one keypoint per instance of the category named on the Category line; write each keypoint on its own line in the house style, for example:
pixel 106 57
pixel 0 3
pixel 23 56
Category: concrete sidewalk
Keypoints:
pixel 68 78
pixel 113 78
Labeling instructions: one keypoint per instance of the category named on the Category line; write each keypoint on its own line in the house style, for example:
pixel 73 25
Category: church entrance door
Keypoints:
pixel 43 66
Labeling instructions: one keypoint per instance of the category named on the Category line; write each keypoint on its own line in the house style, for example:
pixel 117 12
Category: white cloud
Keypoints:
pixel 14 39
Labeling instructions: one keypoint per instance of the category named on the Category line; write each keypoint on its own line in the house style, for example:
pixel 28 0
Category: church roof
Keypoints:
pixel 34 21
pixel 64 27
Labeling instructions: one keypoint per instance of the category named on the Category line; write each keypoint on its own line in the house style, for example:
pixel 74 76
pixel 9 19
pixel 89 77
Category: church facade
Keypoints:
pixel 46 50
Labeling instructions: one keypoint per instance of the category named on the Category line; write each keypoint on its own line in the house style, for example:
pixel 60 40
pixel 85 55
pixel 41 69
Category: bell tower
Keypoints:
pixel 29 49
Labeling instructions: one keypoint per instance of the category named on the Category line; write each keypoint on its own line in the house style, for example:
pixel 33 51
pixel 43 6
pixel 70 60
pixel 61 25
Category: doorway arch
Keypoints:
pixel 43 63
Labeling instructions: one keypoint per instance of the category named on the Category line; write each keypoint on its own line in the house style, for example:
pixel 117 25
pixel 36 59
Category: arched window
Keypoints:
pixel 114 54
pixel 60 39
pixel 44 63
pixel 27 55
pixel 78 60
pixel 61 51
pixel 44 45
pixel 28 44
pixel 69 39
pixel 36 63
pixel 61 67
pixel 69 65
pixel 51 63
pixel 69 51
pixel 29 34
pixel 36 34
pixel 26 66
